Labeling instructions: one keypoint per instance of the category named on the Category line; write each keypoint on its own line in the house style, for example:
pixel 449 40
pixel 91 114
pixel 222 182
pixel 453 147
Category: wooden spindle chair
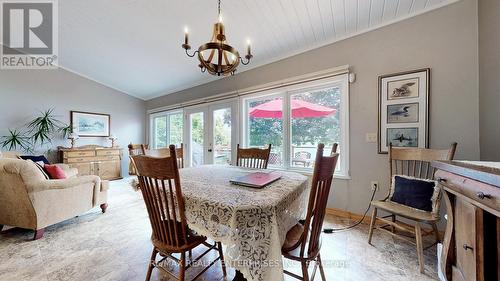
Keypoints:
pixel 303 241
pixel 253 157
pixel 135 149
pixel 179 152
pixel 413 162
pixel 161 189
pixel 165 152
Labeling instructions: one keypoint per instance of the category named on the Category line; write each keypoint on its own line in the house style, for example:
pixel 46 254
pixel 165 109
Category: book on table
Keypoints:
pixel 256 180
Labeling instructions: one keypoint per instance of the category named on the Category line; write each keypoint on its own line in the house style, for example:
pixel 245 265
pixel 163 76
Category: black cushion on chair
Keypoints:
pixel 413 192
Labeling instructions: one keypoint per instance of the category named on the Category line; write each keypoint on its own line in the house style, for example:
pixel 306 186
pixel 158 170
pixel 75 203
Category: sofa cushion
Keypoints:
pixel 55 172
pixel 414 192
pixel 35 158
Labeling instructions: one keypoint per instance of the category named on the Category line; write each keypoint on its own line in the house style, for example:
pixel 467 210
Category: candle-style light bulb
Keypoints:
pixel 249 50
pixel 186 35
pixel 220 18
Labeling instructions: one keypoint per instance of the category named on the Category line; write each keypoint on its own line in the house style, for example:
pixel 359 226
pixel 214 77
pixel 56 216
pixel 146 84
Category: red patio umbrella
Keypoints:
pixel 300 109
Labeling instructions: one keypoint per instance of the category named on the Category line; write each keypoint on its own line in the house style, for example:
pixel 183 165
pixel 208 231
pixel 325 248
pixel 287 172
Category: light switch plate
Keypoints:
pixel 371 137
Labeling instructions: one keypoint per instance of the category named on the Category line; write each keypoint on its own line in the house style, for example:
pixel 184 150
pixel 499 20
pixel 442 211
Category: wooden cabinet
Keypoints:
pixel 104 162
pixel 471 243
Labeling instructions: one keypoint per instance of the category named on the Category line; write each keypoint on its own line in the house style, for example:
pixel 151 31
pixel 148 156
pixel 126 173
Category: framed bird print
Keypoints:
pixel 403 109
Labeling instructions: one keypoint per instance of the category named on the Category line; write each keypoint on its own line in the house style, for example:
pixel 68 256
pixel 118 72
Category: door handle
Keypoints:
pixel 209 150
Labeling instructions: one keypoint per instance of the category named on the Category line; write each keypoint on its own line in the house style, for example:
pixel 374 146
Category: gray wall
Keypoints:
pixel 489 79
pixel 444 40
pixel 24 93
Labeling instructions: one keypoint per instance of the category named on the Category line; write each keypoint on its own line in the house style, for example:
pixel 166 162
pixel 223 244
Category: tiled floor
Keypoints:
pixel 116 246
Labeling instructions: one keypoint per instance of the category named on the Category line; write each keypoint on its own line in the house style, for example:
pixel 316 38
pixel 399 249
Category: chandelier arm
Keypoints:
pixel 192 55
pixel 243 62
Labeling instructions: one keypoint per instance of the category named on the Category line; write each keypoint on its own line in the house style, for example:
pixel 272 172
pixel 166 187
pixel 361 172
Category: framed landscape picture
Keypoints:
pixel 403 112
pixel 87 124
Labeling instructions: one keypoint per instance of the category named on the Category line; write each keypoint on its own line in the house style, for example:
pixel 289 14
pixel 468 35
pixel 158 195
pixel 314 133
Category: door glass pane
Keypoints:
pixel 315 119
pixel 197 136
pixel 175 130
pixel 222 136
pixel 265 126
pixel 160 131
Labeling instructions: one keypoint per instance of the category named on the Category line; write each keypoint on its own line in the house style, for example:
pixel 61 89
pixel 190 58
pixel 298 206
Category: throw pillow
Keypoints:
pixel 414 192
pixel 55 172
pixel 35 158
pixel 40 166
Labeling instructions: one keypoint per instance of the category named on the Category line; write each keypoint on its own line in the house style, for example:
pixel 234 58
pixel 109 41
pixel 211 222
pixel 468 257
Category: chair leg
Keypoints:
pixel 436 232
pixel 182 269
pixel 305 273
pixel 372 224
pixel 420 251
pixel 221 255
pixel 151 264
pixel 321 270
pixel 1 227
pixel 38 233
pixel 393 219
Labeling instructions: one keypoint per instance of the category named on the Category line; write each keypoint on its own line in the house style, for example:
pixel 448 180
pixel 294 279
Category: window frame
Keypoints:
pixel 340 81
pixel 152 127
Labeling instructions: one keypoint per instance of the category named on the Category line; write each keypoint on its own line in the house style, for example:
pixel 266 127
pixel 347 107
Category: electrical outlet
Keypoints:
pixel 374 185
pixel 371 137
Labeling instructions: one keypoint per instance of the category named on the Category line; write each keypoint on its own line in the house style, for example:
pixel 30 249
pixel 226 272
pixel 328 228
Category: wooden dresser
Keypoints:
pixel 104 162
pixel 472 239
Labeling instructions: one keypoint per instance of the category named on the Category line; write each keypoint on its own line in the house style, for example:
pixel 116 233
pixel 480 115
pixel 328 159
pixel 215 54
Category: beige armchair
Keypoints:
pixel 29 200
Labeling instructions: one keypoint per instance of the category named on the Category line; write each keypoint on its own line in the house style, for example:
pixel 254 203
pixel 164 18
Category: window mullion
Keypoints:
pixel 286 130
pixel 167 130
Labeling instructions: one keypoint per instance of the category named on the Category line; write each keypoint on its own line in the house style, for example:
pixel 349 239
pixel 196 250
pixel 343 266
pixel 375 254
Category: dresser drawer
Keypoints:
pixel 107 152
pixel 477 191
pixel 81 159
pixel 108 158
pixel 71 154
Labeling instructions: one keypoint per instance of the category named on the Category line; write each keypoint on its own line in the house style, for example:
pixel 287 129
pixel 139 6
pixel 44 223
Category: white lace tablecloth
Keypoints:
pixel 251 223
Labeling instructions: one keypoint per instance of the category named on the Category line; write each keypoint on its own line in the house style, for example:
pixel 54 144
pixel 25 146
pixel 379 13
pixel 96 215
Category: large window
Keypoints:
pixel 265 127
pixel 167 128
pixel 296 119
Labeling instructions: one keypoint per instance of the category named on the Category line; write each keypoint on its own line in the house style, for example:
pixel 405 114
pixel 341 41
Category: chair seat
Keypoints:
pixel 292 238
pixel 193 240
pixel 405 211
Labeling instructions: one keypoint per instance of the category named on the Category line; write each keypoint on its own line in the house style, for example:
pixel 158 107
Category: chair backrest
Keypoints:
pixel 179 152
pixel 324 167
pixel 137 149
pixel 161 188
pixel 416 162
pixel 165 152
pixel 253 157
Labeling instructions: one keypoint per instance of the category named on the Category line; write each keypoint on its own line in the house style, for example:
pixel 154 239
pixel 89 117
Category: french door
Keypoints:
pixel 210 133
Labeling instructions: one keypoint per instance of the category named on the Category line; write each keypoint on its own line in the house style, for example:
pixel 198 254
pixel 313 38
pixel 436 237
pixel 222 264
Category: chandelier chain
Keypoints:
pixel 218 9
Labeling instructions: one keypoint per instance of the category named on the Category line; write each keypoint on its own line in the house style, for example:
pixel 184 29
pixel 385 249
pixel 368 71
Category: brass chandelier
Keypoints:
pixel 217 57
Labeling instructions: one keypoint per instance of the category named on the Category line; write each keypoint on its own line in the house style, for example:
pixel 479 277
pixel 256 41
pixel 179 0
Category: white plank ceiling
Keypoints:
pixel 135 45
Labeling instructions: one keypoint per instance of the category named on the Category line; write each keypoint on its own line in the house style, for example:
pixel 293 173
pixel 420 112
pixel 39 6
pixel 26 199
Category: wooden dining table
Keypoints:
pixel 251 223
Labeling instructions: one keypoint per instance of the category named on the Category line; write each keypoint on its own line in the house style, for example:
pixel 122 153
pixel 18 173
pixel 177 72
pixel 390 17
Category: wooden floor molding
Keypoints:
pixel 348 215
pixel 356 217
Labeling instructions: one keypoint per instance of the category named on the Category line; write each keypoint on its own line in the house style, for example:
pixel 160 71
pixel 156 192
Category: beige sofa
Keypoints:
pixel 29 200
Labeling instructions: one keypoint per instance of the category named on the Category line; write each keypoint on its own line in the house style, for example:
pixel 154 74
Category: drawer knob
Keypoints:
pixel 441 180
pixel 467 247
pixel 481 195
